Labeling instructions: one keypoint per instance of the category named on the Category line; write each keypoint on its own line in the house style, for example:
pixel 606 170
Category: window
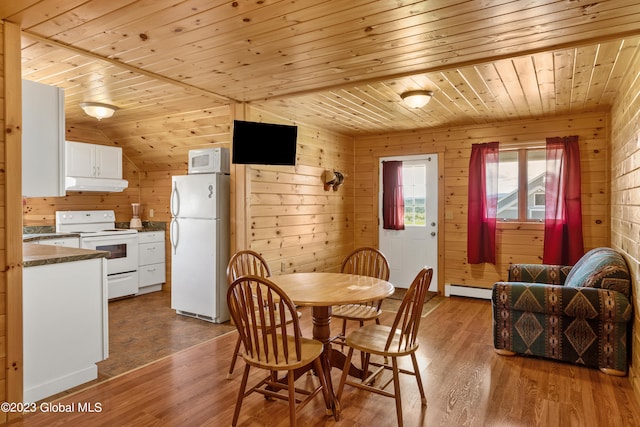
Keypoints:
pixel 415 194
pixel 521 188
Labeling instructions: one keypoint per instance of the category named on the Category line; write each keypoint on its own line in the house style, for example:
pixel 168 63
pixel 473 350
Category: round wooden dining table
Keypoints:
pixel 321 291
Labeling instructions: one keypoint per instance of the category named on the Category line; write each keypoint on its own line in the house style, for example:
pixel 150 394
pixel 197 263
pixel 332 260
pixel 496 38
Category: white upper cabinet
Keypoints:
pixel 92 160
pixel 43 145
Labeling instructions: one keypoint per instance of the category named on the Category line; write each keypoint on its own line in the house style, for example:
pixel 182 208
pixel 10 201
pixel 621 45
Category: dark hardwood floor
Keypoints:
pixel 466 382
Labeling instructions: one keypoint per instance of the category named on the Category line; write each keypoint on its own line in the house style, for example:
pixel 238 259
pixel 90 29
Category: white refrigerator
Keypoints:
pixel 199 233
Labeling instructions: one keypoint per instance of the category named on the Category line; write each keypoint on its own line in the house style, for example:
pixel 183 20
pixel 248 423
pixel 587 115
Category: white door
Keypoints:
pixel 414 247
pixel 195 196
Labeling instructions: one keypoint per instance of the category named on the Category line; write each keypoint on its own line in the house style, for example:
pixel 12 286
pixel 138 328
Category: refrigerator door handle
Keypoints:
pixel 174 234
pixel 175 200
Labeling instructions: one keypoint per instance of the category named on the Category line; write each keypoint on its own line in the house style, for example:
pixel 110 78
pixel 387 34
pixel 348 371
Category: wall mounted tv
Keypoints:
pixel 264 143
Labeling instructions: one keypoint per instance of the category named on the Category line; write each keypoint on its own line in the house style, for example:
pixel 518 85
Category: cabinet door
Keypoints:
pixel 42 140
pixel 153 274
pixel 80 159
pixel 108 162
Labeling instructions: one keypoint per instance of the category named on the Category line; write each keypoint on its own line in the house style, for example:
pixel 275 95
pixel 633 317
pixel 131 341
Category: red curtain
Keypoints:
pixel 483 202
pixel 563 243
pixel 392 196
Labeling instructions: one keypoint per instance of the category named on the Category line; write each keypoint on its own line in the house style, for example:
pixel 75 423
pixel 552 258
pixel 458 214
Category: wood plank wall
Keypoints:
pixel 625 193
pixel 292 219
pixel 515 242
pixel 293 222
pixel 155 193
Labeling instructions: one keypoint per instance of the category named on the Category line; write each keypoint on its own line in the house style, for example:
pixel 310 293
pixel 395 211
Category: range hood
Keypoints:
pixel 111 185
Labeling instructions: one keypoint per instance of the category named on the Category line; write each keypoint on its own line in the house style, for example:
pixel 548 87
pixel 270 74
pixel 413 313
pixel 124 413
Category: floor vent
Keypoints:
pixel 196 316
pixel 467 291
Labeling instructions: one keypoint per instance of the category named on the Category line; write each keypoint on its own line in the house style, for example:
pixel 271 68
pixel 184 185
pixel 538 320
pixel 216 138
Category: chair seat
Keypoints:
pixel 311 349
pixel 355 312
pixel 373 338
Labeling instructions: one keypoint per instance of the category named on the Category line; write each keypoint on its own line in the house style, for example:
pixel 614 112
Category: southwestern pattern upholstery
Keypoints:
pixel 578 314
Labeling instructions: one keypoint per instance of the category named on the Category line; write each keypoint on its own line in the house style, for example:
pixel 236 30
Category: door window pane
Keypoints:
pixel 415 198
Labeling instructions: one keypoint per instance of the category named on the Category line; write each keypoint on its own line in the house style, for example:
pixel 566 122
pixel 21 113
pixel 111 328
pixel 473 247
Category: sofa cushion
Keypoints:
pixel 601 268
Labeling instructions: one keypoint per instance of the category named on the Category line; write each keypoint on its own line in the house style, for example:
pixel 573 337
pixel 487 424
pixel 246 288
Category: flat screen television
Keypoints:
pixel 264 143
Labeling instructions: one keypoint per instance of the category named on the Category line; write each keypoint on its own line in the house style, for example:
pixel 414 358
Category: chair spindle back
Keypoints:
pixel 407 320
pixel 366 261
pixel 247 263
pixel 263 326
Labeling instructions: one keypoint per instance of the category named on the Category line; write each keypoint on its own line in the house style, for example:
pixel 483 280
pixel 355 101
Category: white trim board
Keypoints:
pixel 466 291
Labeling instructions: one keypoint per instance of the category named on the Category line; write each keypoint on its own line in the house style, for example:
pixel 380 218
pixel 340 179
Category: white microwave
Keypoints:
pixel 209 160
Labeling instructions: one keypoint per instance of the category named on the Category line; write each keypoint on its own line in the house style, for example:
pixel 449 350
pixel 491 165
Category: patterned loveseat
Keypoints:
pixel 578 314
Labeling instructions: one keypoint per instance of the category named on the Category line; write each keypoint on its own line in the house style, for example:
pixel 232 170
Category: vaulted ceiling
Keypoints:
pixel 339 64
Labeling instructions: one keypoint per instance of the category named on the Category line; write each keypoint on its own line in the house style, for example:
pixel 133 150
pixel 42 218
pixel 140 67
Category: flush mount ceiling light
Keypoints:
pixel 417 98
pixel 98 110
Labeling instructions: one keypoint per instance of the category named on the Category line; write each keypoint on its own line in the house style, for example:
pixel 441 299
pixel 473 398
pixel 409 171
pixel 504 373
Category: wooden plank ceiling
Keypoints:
pixel 172 66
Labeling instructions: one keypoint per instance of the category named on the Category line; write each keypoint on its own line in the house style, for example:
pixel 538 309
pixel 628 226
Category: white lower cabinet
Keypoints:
pixel 151 261
pixel 65 325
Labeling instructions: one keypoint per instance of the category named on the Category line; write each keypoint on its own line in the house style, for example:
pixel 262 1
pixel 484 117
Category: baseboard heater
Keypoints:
pixel 466 291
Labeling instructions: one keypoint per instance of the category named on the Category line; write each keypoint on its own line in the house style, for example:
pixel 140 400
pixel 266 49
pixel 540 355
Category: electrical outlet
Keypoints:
pixel 283 267
pixel 150 213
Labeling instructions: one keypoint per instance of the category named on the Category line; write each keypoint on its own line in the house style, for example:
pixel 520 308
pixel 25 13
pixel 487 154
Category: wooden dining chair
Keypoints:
pixel 272 343
pixel 246 263
pixel 400 339
pixel 364 261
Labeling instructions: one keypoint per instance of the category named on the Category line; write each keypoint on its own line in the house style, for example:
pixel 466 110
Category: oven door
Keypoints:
pixel 122 247
pixel 122 263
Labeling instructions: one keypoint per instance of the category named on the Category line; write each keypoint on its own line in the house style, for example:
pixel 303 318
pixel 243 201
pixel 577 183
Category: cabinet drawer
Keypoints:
pixel 151 236
pixel 151 274
pixel 71 242
pixel 151 253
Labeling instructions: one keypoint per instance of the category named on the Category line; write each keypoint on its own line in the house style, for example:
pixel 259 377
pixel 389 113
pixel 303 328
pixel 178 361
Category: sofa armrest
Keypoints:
pixel 585 303
pixel 539 273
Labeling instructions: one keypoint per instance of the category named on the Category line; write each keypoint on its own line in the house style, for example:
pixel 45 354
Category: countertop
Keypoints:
pixel 44 236
pixel 34 255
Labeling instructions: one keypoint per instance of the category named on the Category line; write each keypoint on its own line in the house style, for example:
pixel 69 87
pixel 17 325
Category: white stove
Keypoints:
pixel 95 223
pixel 97 230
